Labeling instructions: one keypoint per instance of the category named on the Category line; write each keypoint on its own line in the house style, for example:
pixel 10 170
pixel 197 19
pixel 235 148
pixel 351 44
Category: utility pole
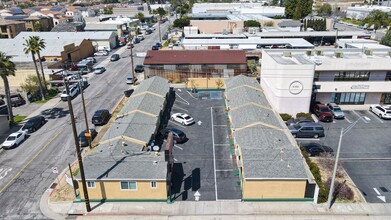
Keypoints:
pixel 160 37
pixel 131 55
pixel 78 152
pixel 88 134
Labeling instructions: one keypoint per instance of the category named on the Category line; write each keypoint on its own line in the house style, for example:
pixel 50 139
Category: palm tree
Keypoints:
pixel 7 68
pixel 31 47
pixel 40 46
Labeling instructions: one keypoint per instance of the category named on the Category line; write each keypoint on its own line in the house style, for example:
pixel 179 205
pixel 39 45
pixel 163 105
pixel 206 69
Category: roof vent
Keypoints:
pixel 309 53
pixel 338 54
pixel 287 54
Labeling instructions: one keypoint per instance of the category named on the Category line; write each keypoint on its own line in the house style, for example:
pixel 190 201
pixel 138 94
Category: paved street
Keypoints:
pixel 26 171
pixel 365 152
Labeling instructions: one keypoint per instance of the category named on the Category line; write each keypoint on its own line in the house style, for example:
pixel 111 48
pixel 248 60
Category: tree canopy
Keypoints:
pixel 251 23
pixel 325 9
pixel 386 40
pixel 377 18
pixel 297 9
pixel 160 11
pixel 181 22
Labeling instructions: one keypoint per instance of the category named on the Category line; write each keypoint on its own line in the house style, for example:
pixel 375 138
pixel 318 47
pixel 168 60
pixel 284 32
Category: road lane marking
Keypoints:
pixel 178 147
pixel 377 118
pixel 377 191
pixel 32 159
pixel 348 120
pixel 4 171
pixel 190 94
pixel 214 154
pixel 360 116
pixel 222 144
pixel 185 102
pixel 225 170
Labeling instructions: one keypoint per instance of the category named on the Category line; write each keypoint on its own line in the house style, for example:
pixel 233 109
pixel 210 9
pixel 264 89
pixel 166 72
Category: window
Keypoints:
pixel 385 98
pixel 388 76
pixel 153 184
pixel 233 66
pixel 129 185
pixel 90 184
pixel 182 67
pixel 207 66
pixel 352 76
pixel 316 76
pixel 352 98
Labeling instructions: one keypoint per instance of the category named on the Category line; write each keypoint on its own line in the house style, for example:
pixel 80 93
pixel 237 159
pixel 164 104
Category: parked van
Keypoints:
pixel 104 48
pixel 314 130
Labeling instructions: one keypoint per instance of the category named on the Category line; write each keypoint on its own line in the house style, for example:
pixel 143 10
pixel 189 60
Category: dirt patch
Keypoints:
pixel 64 191
pixel 326 166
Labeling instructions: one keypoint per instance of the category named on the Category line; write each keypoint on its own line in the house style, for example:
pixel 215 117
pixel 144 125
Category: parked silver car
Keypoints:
pixel 336 111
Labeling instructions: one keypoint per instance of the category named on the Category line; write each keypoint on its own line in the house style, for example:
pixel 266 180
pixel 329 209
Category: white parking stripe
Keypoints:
pixel 308 139
pixel 220 125
pixel 224 170
pixel 360 116
pixel 222 144
pixel 377 118
pixel 175 106
pixel 347 120
pixel 185 102
pixel 214 152
pixel 190 94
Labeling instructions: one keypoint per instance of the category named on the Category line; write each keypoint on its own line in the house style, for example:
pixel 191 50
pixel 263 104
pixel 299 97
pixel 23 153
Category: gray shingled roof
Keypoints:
pixel 145 102
pixel 250 114
pixel 113 161
pixel 240 96
pixel 267 152
pixel 155 84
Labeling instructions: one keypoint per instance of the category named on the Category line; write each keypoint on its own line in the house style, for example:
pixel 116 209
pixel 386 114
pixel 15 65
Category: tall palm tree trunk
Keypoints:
pixel 7 94
pixel 38 76
pixel 43 74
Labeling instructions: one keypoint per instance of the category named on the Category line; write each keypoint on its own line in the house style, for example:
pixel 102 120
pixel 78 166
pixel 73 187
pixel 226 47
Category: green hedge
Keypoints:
pixel 303 115
pixel 285 116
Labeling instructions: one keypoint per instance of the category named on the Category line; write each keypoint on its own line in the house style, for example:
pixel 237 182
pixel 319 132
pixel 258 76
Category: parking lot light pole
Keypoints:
pixel 343 132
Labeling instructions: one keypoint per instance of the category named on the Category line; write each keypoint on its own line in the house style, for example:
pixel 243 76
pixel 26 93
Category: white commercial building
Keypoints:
pixel 238 8
pixel 293 79
pixel 361 12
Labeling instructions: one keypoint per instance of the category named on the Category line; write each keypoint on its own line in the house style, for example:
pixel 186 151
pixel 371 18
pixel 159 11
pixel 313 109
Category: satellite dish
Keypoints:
pixel 155 148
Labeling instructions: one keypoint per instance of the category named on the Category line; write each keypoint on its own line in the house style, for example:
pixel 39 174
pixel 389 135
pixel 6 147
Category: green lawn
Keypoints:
pixel 51 94
pixel 19 118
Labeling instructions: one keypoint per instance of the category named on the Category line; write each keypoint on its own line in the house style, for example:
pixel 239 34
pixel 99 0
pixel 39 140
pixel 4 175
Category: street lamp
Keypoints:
pixel 343 132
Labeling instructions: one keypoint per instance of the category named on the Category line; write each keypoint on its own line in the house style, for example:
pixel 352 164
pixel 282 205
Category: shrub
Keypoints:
pixel 341 190
pixel 285 116
pixel 303 115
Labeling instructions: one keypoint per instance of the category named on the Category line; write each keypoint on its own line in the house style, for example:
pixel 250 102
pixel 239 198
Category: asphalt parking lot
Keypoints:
pixel 203 163
pixel 365 152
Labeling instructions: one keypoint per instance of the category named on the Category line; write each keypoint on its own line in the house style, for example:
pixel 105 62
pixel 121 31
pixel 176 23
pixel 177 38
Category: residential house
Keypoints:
pixel 122 167
pixel 9 29
pixel 271 167
pixel 179 65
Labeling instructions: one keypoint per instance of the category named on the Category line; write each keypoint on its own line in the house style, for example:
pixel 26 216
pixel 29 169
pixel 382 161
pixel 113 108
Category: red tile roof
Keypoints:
pixel 195 57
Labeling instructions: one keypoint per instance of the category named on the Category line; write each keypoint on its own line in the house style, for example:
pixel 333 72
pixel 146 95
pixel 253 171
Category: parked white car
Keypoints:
pixel 73 91
pixel 182 118
pixel 101 53
pixel 170 45
pixel 381 111
pixel 14 139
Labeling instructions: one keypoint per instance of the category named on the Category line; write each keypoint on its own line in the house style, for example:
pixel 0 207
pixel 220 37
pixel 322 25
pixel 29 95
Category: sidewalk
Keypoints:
pixel 215 209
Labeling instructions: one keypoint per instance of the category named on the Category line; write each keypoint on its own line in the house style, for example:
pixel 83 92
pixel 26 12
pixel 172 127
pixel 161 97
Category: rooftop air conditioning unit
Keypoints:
pixel 287 54
pixel 338 54
pixel 368 52
pixel 319 53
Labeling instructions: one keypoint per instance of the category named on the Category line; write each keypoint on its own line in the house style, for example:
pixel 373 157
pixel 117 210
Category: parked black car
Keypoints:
pixel 34 124
pixel 101 117
pixel 155 47
pixel 316 149
pixel 179 136
pixel 114 57
pixel 83 140
pixel 139 69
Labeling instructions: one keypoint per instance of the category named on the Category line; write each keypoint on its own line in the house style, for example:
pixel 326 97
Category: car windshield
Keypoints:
pixel 337 110
pixel 28 124
pixel 187 117
pixel 324 110
pixel 11 138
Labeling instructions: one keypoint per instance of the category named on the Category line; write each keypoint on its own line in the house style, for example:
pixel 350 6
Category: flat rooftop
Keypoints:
pixel 294 42
pixel 282 34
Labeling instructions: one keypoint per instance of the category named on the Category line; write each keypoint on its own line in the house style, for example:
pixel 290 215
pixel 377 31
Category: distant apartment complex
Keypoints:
pixel 9 29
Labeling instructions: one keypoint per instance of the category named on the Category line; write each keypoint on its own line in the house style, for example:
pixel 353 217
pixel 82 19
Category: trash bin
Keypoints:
pixel 129 92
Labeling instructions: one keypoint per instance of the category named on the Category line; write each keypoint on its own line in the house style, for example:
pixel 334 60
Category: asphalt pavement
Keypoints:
pixel 26 172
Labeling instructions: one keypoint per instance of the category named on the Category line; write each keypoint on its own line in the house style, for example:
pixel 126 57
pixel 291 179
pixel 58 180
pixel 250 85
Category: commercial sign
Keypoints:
pixel 296 87
pixel 359 87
